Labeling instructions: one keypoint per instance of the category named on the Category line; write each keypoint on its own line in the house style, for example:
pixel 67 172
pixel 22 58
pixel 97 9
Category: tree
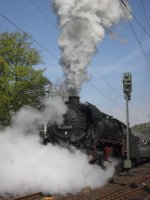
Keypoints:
pixel 4 92
pixel 28 87
pixel 15 48
pixel 20 83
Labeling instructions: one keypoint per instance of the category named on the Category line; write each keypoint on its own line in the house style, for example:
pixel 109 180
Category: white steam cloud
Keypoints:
pixel 83 24
pixel 27 166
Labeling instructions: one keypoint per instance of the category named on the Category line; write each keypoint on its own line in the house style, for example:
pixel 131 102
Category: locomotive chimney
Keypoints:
pixel 74 99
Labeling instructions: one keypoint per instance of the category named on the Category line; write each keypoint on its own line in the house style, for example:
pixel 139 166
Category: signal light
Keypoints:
pixel 127 85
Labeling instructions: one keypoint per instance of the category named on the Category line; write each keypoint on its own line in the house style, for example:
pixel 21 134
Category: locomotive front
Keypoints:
pixel 73 128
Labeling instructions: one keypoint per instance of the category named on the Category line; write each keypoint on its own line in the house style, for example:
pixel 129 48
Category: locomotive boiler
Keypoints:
pixel 94 132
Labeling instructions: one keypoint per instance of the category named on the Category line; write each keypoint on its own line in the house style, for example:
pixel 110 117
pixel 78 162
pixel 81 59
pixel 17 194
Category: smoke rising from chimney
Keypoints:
pixel 83 24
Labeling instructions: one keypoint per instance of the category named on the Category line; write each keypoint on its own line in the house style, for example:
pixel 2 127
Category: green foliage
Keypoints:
pixel 20 83
pixel 142 128
pixel 4 92
pixel 28 87
pixel 15 48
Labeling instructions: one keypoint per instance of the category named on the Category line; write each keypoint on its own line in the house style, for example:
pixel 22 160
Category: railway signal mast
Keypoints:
pixel 127 89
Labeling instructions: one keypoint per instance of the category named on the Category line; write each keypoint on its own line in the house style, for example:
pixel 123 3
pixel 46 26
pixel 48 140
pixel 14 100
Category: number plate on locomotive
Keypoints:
pixel 65 127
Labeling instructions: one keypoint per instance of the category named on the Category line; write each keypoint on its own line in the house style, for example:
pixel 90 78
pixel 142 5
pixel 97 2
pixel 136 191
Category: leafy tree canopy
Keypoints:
pixel 20 83
pixel 16 49
pixel 4 91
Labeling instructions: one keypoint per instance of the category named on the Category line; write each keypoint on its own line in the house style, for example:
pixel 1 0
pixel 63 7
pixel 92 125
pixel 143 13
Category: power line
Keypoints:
pixel 43 14
pixel 119 94
pixel 29 36
pixel 135 33
pixel 99 91
pixel 109 98
pixel 145 14
pixel 133 17
pixel 105 80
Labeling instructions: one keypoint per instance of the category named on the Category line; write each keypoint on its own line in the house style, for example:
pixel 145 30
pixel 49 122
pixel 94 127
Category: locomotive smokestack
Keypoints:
pixel 74 99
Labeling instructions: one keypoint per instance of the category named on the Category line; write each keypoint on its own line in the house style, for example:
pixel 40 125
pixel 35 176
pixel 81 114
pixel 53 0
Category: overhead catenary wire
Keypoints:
pixel 44 15
pixel 140 24
pixel 145 14
pixel 109 84
pixel 35 41
pixel 110 99
pixel 119 94
pixel 134 33
pixel 99 91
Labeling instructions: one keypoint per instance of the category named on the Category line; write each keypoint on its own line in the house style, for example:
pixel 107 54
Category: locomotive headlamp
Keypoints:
pixel 65 132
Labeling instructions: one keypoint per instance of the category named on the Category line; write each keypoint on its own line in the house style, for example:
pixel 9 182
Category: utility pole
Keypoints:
pixel 127 89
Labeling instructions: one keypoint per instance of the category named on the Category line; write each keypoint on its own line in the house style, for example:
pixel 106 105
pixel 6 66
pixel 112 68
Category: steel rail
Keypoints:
pixel 113 193
pixel 128 193
pixel 29 197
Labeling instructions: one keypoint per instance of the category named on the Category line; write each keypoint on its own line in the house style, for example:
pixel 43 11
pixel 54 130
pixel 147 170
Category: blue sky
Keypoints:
pixel 113 58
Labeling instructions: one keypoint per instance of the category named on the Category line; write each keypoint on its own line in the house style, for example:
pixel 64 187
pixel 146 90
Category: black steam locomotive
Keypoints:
pixel 98 134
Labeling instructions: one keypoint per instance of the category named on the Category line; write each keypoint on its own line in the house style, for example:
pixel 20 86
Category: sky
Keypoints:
pixel 119 52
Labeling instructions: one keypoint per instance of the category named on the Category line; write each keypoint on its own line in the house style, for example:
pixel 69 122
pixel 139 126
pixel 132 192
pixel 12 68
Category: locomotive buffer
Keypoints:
pixel 127 89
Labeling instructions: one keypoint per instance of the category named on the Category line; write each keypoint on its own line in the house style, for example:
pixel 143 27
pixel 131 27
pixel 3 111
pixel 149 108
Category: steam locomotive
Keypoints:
pixel 98 134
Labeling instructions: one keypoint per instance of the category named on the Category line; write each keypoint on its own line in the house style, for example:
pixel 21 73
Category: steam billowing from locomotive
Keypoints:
pixel 83 24
pixel 27 166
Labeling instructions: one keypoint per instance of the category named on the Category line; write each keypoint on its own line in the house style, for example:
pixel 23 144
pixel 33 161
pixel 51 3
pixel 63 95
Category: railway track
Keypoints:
pixel 26 197
pixel 137 189
pixel 35 196
pixel 126 192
